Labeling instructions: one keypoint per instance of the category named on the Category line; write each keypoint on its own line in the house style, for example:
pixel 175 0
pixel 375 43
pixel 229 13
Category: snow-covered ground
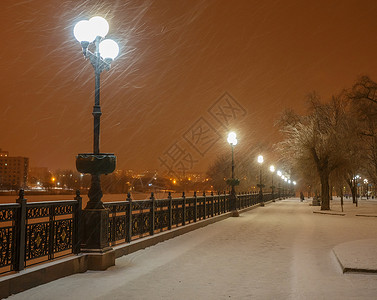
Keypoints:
pixel 280 251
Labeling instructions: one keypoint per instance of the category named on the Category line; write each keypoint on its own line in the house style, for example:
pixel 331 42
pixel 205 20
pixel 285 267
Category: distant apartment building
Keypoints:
pixel 13 171
pixel 38 175
pixel 3 153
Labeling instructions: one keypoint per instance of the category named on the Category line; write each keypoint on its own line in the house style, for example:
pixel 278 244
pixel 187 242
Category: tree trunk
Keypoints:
pixel 325 190
pixel 354 193
pixel 353 190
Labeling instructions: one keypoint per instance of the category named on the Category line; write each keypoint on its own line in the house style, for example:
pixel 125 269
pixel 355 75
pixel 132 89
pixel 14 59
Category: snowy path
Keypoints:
pixel 280 251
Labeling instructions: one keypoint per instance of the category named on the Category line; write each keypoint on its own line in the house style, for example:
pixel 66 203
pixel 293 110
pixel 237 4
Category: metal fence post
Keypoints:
pixel 152 213
pixel 196 207
pixel 184 208
pixel 129 219
pixel 213 204
pixel 52 241
pixel 205 205
pixel 170 211
pixel 76 239
pixel 19 263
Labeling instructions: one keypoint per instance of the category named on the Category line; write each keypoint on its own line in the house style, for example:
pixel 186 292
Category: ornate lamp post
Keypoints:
pixel 232 140
pixel 285 189
pixel 356 188
pixel 272 170
pixel 90 34
pixel 294 188
pixel 366 184
pixel 260 162
pixel 283 179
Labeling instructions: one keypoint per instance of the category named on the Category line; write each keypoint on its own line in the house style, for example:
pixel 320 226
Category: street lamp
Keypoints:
pixel 272 170
pixel 260 162
pixel 356 188
pixel 91 35
pixel 279 173
pixel 232 140
pixel 366 184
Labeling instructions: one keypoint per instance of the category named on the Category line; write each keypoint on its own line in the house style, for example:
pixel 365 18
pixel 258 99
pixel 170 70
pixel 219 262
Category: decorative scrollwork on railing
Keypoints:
pixel 7 214
pixel 190 210
pixel 6 246
pixel 37 212
pixel 141 205
pixel 38 231
pixel 120 228
pixel 37 240
pixel 117 207
pixel 161 220
pixel 141 224
pixel 177 217
pixel 63 210
pixel 63 235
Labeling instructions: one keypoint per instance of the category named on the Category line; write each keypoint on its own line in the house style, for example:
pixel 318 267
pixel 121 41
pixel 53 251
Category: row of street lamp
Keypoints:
pixel 91 35
pixel 232 140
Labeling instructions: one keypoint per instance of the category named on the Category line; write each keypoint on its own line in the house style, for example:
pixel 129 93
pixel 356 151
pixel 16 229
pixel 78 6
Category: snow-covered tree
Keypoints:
pixel 318 141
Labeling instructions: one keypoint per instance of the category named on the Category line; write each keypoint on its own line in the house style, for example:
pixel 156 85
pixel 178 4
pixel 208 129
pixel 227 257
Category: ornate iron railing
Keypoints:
pixel 130 220
pixel 35 232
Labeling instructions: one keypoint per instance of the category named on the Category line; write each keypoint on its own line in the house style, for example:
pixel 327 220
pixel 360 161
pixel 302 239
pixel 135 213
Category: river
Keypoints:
pixel 106 197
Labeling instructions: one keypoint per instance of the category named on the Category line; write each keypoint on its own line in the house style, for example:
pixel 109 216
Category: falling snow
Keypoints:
pixel 177 58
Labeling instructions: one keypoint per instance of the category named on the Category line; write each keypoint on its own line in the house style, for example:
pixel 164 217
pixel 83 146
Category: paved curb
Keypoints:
pixel 324 212
pixel 357 256
pixel 366 215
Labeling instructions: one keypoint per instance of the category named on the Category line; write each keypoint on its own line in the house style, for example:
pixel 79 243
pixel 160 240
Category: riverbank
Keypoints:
pixel 106 197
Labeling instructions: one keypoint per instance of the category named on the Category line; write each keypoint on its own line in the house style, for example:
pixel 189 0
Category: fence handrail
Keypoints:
pixel 51 203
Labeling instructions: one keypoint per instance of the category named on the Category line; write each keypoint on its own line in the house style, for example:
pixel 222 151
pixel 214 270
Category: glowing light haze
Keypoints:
pixel 176 58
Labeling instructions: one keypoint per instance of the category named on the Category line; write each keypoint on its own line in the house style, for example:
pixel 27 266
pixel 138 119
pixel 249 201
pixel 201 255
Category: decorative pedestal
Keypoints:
pixel 95 239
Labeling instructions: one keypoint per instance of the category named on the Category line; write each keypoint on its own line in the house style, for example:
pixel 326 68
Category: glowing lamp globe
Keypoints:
pixel 232 138
pixel 99 26
pixel 279 173
pixel 260 159
pixel 83 32
pixel 108 49
pixel 272 169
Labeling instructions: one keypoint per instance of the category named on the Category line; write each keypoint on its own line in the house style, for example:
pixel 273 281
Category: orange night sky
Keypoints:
pixel 178 59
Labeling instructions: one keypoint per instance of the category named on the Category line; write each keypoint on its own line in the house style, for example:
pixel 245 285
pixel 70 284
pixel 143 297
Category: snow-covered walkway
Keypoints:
pixel 280 251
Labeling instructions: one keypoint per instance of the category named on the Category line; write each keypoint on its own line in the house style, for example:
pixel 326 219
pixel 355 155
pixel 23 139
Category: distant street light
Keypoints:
pixel 366 184
pixel 232 140
pixel 91 34
pixel 356 189
pixel 272 170
pixel 278 172
pixel 260 161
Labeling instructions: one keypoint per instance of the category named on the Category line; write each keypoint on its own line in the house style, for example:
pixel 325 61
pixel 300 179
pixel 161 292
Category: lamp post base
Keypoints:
pixel 95 239
pixel 95 230
pixel 101 261
pixel 235 213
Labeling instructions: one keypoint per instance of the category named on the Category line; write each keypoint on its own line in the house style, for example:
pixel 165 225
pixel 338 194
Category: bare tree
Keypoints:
pixel 318 140
pixel 363 96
